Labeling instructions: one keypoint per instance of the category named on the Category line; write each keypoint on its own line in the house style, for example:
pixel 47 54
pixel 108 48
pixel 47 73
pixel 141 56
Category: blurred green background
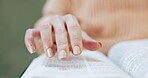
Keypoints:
pixel 15 17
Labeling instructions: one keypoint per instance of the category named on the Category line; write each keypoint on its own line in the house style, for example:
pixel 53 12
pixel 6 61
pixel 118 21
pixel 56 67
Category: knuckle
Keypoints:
pixel 72 21
pixel 56 17
pixel 29 30
pixel 74 30
pixel 42 21
pixel 46 26
pixel 62 45
pixel 74 26
pixel 60 31
pixel 76 40
pixel 69 15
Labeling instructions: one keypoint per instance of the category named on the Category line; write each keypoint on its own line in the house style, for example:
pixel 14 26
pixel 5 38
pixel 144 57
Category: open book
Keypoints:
pixel 125 60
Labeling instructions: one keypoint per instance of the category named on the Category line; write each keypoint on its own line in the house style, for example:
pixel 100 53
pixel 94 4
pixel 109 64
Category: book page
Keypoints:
pixel 132 57
pixel 89 64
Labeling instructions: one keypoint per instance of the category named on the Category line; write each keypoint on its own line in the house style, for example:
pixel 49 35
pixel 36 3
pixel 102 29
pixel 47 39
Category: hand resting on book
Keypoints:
pixel 64 31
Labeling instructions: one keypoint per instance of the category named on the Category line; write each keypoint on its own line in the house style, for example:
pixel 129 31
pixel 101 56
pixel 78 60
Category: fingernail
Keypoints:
pixel 62 54
pixel 100 44
pixel 30 48
pixel 49 52
pixel 77 50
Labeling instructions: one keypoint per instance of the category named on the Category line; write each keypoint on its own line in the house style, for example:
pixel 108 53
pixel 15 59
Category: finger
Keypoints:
pixel 89 43
pixel 74 32
pixel 61 37
pixel 29 39
pixel 46 37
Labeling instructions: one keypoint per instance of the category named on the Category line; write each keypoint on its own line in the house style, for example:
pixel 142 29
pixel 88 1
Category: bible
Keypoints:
pixel 127 59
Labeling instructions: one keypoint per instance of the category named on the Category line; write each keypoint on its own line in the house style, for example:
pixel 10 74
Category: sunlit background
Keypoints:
pixel 15 17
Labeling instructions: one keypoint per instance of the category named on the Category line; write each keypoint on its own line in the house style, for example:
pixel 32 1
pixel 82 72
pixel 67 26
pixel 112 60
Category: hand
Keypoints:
pixel 65 31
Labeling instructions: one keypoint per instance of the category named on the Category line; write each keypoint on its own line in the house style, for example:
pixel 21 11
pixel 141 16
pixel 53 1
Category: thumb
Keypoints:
pixel 89 43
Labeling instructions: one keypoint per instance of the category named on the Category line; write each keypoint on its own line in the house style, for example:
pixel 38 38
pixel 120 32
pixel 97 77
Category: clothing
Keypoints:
pixel 108 21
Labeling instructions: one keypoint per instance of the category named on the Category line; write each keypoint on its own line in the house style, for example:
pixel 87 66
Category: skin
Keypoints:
pixel 65 31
